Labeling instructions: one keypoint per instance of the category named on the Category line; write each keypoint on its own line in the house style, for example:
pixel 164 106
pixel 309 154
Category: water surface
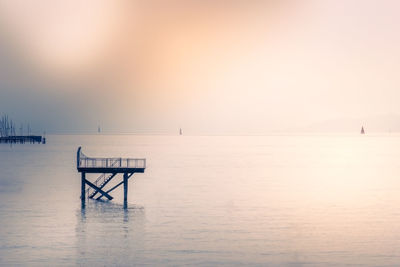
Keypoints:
pixel 330 200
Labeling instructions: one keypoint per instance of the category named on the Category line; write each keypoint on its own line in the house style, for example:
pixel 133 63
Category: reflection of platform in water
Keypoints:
pixel 109 225
pixel 109 168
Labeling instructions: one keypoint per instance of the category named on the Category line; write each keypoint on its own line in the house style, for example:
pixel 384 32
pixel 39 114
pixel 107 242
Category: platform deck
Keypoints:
pixel 108 168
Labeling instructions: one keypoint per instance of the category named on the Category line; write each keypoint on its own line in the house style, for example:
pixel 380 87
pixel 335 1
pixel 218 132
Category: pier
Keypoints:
pixel 22 139
pixel 108 168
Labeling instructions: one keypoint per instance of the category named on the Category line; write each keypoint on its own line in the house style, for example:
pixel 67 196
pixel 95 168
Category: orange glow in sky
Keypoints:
pixel 256 65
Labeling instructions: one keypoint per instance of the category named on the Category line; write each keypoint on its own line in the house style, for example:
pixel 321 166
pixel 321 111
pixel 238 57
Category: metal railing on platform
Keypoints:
pixel 87 162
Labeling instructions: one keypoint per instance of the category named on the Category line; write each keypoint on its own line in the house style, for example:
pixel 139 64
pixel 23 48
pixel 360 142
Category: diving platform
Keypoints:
pixel 109 168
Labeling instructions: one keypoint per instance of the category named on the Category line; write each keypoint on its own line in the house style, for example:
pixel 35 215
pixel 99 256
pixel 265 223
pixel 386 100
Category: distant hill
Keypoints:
pixel 380 123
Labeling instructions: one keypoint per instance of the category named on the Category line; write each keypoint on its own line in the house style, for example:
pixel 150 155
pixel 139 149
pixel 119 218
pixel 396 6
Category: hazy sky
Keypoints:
pixel 206 66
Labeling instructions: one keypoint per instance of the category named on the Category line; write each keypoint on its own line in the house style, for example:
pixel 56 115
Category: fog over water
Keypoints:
pixel 271 169
pixel 247 67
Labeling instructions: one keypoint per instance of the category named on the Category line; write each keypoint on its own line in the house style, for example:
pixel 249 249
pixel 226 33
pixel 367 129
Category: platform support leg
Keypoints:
pixel 125 190
pixel 83 189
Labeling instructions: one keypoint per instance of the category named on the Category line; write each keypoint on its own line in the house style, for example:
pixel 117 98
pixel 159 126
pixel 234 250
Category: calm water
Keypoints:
pixel 270 201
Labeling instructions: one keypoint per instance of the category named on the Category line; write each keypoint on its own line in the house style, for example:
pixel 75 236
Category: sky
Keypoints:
pixel 209 67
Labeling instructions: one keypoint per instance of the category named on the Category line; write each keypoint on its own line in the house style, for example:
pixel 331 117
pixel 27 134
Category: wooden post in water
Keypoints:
pixel 83 189
pixel 125 190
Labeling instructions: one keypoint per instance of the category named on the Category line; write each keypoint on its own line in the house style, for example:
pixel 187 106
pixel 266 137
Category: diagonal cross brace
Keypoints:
pixel 101 187
pixel 99 190
pixel 129 176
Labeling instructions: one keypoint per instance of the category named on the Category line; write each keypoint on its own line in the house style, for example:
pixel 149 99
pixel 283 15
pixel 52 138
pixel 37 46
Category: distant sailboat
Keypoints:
pixel 362 130
pixel 98 129
pixel 180 131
